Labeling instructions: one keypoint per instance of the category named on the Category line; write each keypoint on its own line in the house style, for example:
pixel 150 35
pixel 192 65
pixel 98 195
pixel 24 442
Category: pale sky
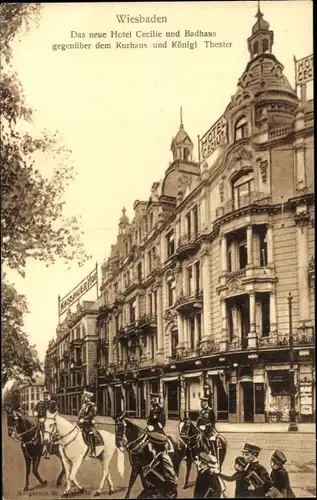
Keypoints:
pixel 118 109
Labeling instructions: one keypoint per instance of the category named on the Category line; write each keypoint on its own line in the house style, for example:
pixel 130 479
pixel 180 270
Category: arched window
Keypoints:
pixel 174 342
pixel 256 48
pixel 186 154
pixel 265 45
pixel 242 189
pixel 241 129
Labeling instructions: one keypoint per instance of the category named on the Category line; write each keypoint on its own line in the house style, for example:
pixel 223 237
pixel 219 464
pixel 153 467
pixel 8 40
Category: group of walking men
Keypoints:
pixel 252 479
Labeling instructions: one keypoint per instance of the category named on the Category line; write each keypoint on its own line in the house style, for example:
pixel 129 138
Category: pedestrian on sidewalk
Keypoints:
pixel 241 490
pixel 279 474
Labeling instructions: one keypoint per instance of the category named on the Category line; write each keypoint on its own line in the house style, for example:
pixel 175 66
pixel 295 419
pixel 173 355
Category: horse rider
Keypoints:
pixel 257 477
pixel 207 485
pixel 206 423
pixel 156 420
pixel 39 411
pixel 86 421
pixel 160 479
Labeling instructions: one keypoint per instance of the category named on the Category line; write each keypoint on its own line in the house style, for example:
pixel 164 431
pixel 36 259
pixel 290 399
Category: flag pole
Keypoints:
pixel 295 61
pixel 59 309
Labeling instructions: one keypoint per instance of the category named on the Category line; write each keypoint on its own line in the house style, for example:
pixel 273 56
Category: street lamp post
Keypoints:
pixel 292 427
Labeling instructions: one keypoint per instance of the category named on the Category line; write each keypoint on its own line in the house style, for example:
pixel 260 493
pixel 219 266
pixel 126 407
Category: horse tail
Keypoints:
pixel 120 462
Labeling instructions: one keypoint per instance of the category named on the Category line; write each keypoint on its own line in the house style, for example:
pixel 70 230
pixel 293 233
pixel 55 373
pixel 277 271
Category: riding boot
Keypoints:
pixel 92 446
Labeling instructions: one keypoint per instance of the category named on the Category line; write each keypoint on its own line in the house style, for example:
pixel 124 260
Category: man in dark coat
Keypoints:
pixel 86 421
pixel 39 411
pixel 279 474
pixel 208 484
pixel 160 478
pixel 156 420
pixel 241 490
pixel 259 481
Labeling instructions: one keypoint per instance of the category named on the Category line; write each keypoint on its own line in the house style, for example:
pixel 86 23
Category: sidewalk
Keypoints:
pixel 223 427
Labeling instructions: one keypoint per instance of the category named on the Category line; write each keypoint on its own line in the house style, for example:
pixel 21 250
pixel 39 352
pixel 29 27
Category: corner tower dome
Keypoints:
pixel 182 145
pixel 262 38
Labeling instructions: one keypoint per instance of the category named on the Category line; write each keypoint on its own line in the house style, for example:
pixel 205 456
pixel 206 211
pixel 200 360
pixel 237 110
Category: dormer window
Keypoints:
pixel 241 129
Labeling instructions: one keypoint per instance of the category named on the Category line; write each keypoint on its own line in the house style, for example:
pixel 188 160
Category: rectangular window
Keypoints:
pixel 199 327
pixel 230 323
pixel 243 255
pixel 229 260
pixel 188 225
pixel 170 243
pixel 152 347
pixel 171 292
pixel 263 248
pixel 132 306
pixel 139 272
pixel 150 260
pixel 192 332
pixel 265 302
pixel 190 280
pixel 195 220
pixel 197 271
pixel 155 302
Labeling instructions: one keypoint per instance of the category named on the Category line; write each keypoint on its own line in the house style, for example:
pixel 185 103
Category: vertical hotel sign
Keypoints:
pixel 77 292
pixel 216 135
pixel 304 70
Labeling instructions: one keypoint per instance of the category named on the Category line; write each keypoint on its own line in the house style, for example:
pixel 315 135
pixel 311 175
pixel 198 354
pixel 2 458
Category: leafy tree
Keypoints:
pixel 19 358
pixel 33 224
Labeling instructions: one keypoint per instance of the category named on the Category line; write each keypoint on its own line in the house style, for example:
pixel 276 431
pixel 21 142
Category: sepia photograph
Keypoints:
pixel 157 250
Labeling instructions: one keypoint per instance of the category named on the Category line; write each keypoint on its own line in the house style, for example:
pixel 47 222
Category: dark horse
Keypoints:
pixel 197 442
pixel 20 429
pixel 132 437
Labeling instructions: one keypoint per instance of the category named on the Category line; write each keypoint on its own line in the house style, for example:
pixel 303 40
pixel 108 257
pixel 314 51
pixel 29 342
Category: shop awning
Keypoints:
pixel 170 379
pixel 192 374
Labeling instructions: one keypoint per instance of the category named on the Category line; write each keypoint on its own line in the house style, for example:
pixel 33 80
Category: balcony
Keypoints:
pixel 208 347
pixel 187 304
pixel 147 321
pixel 304 336
pixel 254 198
pixel 238 344
pixel 132 284
pixel 187 245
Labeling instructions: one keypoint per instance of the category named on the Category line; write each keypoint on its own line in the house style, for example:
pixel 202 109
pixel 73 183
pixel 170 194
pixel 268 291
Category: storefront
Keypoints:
pixel 130 398
pixel 278 394
pixel 219 394
pixel 306 407
pixel 104 400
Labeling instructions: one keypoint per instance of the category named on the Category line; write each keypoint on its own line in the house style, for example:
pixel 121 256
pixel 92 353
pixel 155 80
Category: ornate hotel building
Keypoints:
pixel 194 294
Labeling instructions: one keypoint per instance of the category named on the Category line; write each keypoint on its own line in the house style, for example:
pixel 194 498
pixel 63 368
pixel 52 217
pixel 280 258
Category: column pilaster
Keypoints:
pixel 250 244
pixel 224 264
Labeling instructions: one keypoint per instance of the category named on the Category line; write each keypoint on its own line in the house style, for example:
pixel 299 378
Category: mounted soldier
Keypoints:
pixel 156 420
pixel 206 423
pixel 86 421
pixel 160 479
pixel 39 411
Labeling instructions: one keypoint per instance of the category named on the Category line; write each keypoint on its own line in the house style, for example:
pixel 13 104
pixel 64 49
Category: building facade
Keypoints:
pixel 70 362
pixel 194 294
pixel 30 395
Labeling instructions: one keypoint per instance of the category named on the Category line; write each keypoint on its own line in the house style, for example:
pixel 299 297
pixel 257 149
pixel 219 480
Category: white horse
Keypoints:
pixel 74 450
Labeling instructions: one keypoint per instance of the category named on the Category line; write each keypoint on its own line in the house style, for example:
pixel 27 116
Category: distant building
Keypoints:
pixel 30 395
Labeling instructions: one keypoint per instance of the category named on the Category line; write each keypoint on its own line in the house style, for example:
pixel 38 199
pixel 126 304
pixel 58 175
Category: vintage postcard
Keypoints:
pixel 158 260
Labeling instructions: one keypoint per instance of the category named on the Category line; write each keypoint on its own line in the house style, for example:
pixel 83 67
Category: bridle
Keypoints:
pixel 197 436
pixel 53 433
pixel 134 446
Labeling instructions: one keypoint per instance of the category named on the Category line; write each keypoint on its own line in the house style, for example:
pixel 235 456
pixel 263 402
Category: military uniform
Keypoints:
pixel 157 418
pixel 159 476
pixel 279 476
pixel 241 490
pixel 86 422
pixel 257 477
pixel 207 483
pixel 39 411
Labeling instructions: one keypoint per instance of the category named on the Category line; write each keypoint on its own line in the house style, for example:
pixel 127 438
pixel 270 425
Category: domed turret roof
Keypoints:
pixel 261 24
pixel 124 218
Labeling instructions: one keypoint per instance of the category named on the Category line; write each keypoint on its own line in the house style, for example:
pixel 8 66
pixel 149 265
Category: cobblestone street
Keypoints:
pixel 299 449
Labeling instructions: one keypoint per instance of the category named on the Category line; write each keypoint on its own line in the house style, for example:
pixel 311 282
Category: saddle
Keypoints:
pixel 97 437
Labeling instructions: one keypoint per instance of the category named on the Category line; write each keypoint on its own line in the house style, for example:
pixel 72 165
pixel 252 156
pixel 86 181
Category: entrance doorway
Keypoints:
pixel 173 399
pixel 248 401
pixel 142 399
